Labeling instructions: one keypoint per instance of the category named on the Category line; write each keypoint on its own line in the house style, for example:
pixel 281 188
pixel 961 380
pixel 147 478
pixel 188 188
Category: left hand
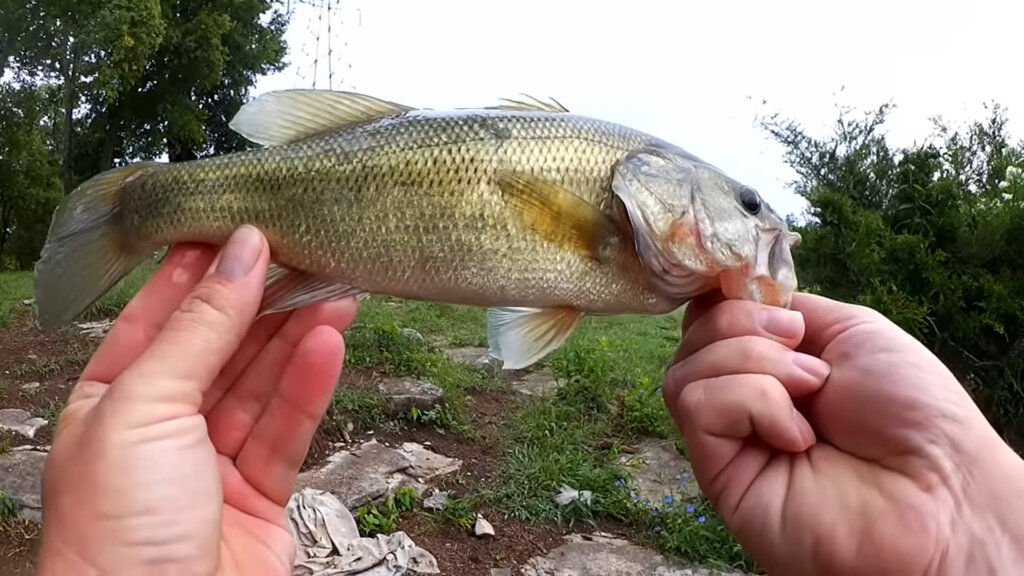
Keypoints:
pixel 178 448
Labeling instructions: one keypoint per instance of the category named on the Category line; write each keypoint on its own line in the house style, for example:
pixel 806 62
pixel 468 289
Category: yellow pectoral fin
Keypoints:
pixel 557 214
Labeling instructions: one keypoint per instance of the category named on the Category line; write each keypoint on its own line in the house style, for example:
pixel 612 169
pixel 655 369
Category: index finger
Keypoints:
pixel 144 316
pixel 734 318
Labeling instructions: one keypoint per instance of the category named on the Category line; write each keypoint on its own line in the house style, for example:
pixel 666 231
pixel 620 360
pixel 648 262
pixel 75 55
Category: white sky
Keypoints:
pixel 692 72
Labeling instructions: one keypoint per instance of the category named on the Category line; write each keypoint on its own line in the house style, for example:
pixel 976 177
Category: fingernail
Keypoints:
pixel 811 365
pixel 240 253
pixel 804 427
pixel 782 322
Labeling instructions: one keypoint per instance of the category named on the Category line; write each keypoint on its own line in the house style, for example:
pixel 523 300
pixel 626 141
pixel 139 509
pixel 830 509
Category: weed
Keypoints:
pixel 365 409
pixel 10 508
pixel 459 512
pixel 383 518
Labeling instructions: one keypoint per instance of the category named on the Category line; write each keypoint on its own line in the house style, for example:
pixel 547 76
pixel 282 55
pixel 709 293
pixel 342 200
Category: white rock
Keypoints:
pixel 427 465
pixel 20 421
pixel 437 500
pixel 483 527
pixel 30 386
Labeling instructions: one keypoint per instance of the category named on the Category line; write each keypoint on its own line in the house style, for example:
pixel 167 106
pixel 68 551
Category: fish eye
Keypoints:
pixel 750 200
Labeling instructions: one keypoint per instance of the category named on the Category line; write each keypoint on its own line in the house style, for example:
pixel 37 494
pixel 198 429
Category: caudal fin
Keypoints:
pixel 85 253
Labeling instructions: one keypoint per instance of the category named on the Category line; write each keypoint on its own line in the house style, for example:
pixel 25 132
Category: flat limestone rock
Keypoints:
pixel 401 394
pixel 477 358
pixel 20 421
pixel 660 471
pixel 359 476
pixel 603 554
pixel 540 383
pixel 21 479
pixel 427 465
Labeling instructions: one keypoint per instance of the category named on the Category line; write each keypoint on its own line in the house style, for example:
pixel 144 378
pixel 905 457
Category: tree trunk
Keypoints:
pixel 176 152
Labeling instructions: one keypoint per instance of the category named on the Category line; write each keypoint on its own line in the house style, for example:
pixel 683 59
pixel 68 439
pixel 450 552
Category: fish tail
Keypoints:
pixel 86 251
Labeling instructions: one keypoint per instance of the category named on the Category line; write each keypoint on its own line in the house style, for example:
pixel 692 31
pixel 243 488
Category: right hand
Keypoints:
pixel 875 462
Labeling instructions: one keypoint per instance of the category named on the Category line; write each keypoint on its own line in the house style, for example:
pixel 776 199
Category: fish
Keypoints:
pixel 537 214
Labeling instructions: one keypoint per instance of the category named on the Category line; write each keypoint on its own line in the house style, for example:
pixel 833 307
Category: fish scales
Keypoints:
pixel 411 207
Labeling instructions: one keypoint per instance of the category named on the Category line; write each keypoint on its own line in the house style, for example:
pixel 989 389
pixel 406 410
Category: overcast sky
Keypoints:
pixel 692 72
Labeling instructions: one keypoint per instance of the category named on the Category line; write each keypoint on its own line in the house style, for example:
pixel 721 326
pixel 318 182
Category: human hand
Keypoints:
pixel 859 453
pixel 178 448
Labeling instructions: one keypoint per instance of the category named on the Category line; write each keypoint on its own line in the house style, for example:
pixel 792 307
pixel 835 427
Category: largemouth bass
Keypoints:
pixel 538 214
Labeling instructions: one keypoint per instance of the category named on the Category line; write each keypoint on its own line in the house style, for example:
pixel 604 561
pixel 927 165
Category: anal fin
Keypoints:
pixel 520 337
pixel 287 289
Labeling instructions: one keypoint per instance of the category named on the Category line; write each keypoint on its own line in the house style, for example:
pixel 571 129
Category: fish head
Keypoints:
pixel 697 229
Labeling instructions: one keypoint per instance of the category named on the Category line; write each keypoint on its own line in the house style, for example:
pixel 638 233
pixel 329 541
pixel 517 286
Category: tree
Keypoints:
pixel 128 80
pixel 29 175
pixel 929 235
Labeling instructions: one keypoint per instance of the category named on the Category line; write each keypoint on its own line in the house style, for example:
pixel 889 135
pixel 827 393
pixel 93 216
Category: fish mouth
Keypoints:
pixel 771 278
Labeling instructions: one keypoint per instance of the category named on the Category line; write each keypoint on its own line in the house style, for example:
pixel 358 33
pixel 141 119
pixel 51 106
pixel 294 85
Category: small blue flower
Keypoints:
pixel 686 474
pixel 636 498
pixel 701 518
pixel 640 390
pixel 689 508
pixel 669 508
pixel 657 528
pixel 654 511
pixel 668 499
pixel 619 482
pixel 682 482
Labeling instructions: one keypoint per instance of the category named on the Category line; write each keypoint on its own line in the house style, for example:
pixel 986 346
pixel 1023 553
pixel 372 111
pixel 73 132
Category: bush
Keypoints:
pixel 930 236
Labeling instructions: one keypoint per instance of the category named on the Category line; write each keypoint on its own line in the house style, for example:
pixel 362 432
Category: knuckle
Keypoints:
pixel 210 301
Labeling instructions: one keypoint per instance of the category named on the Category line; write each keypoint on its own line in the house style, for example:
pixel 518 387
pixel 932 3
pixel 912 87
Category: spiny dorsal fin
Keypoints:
pixel 557 214
pixel 286 116
pixel 520 337
pixel 534 105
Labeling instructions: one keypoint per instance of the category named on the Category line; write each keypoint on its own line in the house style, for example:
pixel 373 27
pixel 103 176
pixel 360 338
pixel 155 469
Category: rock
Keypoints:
pixel 28 302
pixel 426 464
pixel 477 358
pixel 483 527
pixel 401 394
pixel 603 554
pixel 20 421
pixel 30 386
pixel 437 501
pixel 540 383
pixel 21 479
pixel 411 334
pixel 359 476
pixel 501 572
pixel 660 471
pixel 567 494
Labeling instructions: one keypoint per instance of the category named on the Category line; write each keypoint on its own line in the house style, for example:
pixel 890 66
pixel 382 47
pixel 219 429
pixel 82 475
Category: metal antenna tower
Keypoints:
pixel 319 48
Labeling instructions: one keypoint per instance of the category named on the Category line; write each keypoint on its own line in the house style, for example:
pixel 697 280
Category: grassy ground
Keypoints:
pixel 610 371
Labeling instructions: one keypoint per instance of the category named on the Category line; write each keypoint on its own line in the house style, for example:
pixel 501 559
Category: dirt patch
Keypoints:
pixel 463 553
pixel 19 545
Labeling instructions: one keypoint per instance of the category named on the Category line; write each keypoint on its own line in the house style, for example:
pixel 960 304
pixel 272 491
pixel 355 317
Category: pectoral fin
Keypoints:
pixel 557 214
pixel 287 289
pixel 520 337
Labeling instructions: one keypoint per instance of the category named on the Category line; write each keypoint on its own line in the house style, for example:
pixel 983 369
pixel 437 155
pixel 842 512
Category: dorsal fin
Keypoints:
pixel 534 105
pixel 286 116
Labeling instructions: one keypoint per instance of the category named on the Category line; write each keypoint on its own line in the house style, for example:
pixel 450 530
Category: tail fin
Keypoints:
pixel 85 254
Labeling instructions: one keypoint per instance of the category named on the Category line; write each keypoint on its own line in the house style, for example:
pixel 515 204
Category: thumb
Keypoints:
pixel 825 319
pixel 204 331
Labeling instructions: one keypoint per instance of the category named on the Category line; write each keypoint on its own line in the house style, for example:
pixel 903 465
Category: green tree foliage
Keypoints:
pixel 931 235
pixel 29 182
pixel 127 80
